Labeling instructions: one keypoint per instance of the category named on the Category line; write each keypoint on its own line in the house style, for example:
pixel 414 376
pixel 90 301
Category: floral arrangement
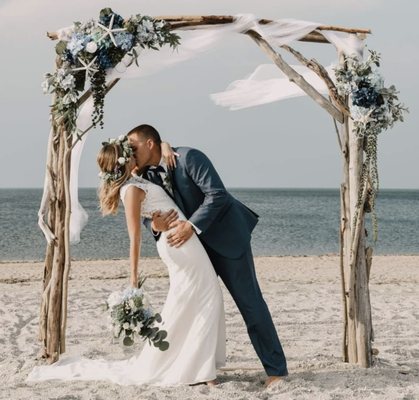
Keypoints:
pixel 374 108
pixel 87 50
pixel 126 149
pixel 131 313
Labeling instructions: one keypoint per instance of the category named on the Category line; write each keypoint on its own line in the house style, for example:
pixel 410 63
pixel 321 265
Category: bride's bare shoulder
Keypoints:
pixel 134 189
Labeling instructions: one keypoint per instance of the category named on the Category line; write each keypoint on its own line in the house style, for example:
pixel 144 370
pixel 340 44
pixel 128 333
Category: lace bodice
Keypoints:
pixel 155 197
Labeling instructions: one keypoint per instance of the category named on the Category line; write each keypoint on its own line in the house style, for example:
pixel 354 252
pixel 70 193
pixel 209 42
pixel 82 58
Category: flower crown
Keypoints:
pixel 117 173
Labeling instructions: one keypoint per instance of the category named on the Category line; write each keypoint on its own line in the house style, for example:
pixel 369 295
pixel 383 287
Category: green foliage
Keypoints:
pixel 374 109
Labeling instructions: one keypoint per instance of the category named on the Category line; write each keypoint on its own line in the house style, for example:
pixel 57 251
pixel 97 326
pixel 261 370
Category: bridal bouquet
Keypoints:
pixel 131 313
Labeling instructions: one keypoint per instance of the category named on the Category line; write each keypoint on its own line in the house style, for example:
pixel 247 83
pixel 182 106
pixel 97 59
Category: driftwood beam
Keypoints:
pixel 295 77
pixel 225 19
pixel 192 21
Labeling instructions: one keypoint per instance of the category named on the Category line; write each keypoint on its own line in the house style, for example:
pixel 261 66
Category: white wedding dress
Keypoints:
pixel 193 316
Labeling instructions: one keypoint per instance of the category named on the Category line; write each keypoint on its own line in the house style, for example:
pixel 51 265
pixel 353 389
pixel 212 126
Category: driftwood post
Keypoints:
pixel 355 259
pixel 53 310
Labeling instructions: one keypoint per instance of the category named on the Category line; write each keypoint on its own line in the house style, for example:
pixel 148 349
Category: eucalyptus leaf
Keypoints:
pixel 157 317
pixel 60 47
pixel 128 341
pixel 163 346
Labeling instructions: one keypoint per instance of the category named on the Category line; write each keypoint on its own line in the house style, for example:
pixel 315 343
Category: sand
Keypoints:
pixel 303 294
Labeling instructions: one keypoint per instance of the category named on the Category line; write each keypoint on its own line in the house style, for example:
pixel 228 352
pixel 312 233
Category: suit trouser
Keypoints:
pixel 239 277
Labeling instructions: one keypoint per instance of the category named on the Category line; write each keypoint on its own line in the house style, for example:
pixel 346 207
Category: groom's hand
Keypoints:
pixel 182 234
pixel 161 221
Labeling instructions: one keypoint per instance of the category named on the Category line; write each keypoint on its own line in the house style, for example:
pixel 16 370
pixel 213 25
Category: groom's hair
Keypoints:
pixel 146 132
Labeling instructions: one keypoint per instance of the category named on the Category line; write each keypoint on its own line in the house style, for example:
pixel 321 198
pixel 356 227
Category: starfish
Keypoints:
pixel 87 67
pixel 109 31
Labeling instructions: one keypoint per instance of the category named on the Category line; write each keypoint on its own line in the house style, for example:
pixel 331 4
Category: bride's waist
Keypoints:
pixel 148 213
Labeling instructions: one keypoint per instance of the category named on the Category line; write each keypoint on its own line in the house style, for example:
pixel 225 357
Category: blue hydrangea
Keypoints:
pixel 366 97
pixel 124 40
pixel 103 59
pixel 77 43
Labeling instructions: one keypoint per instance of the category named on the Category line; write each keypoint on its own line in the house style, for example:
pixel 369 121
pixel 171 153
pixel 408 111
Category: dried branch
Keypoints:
pixel 295 77
pixel 321 72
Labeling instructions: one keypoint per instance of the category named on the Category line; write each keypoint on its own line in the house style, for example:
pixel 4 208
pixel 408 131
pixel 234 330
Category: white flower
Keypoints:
pixel 131 292
pixel 91 47
pixel 112 141
pixel 68 82
pixel 114 298
pixel 148 25
pixel 121 160
pixel 121 138
pixel 126 325
pixel 65 33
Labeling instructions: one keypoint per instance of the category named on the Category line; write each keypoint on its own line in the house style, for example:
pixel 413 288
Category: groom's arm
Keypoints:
pixel 204 175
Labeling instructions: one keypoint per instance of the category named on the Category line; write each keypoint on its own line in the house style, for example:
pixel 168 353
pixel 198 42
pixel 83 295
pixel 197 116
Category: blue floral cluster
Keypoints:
pixel 88 50
pixel 366 96
pixel 105 19
pixel 124 40
pixel 103 59
pixel 77 43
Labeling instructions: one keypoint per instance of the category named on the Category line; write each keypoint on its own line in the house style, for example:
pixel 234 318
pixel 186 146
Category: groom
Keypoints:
pixel 224 226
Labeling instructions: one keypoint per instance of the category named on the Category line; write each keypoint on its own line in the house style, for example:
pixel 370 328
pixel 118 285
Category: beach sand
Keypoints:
pixel 303 294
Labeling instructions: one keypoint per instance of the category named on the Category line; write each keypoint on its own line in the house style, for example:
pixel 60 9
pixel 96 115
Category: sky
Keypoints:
pixel 289 144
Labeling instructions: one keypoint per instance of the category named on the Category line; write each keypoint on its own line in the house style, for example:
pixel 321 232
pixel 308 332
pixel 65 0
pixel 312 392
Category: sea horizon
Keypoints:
pixel 293 222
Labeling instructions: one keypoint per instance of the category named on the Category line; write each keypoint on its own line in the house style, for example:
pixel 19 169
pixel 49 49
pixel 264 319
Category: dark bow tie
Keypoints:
pixel 158 169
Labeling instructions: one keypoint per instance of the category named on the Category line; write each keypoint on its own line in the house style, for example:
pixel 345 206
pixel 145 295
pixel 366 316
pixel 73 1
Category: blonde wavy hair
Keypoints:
pixel 109 189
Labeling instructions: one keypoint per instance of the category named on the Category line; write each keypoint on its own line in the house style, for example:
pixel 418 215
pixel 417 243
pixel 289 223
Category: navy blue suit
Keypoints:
pixel 226 226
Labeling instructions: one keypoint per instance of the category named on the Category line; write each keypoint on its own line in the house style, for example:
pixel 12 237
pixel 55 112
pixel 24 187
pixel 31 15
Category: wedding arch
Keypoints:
pixel 107 50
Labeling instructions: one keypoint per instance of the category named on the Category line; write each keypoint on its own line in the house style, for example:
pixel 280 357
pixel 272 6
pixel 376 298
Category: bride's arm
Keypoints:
pixel 168 154
pixel 132 201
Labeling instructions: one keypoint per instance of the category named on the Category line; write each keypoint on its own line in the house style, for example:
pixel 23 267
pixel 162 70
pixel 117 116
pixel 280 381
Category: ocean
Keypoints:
pixel 292 222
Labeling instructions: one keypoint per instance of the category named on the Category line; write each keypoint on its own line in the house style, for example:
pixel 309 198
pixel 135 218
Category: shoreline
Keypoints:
pixel 7 262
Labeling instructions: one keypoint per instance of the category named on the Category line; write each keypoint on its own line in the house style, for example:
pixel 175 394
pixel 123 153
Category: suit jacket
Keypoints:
pixel 225 222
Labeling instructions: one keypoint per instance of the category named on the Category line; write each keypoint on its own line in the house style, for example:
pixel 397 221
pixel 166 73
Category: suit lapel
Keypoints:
pixel 152 177
pixel 177 197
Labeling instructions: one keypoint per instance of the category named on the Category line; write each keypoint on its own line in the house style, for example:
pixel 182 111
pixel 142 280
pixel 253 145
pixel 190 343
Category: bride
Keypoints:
pixel 193 314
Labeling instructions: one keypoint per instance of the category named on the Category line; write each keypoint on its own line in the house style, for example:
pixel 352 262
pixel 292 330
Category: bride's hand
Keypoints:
pixel 169 156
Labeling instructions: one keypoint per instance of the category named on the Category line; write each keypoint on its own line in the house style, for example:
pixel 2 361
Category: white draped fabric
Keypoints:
pixel 267 84
pixel 262 86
